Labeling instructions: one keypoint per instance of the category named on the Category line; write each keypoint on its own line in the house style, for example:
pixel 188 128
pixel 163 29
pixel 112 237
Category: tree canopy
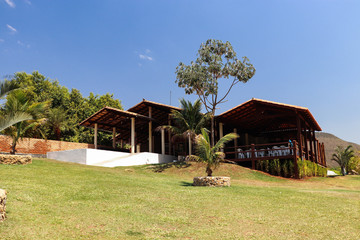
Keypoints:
pixel 216 60
pixel 69 105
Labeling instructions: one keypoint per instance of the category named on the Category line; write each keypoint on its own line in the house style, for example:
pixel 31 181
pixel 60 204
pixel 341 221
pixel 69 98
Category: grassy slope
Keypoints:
pixel 53 200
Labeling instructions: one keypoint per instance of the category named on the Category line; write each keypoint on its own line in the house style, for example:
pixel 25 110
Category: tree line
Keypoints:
pixel 49 110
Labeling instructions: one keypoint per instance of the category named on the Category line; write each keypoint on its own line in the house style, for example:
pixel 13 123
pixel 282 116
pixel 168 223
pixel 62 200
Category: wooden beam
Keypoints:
pixel 95 135
pixel 114 138
pixel 298 124
pixel 132 135
pixel 150 131
pixel 162 141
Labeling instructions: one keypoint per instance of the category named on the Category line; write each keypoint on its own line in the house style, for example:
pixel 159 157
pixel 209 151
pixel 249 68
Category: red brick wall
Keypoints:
pixel 40 146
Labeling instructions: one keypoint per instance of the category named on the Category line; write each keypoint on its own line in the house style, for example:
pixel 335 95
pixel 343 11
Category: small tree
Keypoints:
pixel 212 156
pixel 343 156
pixel 216 60
pixel 18 102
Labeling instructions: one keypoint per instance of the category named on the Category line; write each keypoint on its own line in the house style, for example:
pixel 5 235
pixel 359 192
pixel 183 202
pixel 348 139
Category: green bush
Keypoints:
pixel 309 169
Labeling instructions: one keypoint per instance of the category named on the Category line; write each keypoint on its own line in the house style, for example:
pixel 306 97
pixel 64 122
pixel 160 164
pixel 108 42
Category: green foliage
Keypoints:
pixel 343 156
pixel 285 168
pixel 216 60
pixel 353 164
pixel 70 106
pixel 9 119
pixel 310 169
pixel 18 101
pixel 188 122
pixel 210 155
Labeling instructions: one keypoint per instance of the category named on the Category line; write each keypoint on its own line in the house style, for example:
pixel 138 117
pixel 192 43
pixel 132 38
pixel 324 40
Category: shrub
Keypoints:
pixel 309 169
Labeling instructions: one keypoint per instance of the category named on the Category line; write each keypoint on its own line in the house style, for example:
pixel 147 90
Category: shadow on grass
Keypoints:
pixel 162 167
pixel 134 233
pixel 186 184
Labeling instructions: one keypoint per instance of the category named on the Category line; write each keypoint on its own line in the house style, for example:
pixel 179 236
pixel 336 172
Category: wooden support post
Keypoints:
pixel 235 140
pixel 252 156
pixel 221 132
pixel 299 135
pixel 96 135
pixel 311 146
pixel 169 137
pixel 296 169
pixel 315 148
pixel 162 141
pixel 150 132
pixel 306 144
pixel 235 144
pixel 114 138
pixel 246 139
pixel 121 143
pixel 318 151
pixel 132 135
pixel 324 155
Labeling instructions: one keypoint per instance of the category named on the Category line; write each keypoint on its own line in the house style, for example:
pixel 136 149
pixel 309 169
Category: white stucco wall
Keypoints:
pixel 105 158
pixel 76 155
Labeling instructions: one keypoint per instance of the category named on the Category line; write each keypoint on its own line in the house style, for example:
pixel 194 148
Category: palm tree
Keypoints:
pixel 210 155
pixel 57 121
pixel 18 102
pixel 7 120
pixel 189 121
pixel 342 157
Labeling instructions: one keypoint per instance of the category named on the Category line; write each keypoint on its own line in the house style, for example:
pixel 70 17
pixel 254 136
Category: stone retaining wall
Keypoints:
pixel 212 181
pixel 2 205
pixel 15 159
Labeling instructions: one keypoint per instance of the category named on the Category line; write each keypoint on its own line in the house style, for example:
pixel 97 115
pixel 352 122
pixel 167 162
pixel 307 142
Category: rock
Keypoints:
pixel 212 181
pixel 15 159
pixel 2 205
pixel 353 172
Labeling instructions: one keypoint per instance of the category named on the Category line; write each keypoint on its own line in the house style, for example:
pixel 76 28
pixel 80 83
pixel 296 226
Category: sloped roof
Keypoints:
pixel 109 117
pixel 267 115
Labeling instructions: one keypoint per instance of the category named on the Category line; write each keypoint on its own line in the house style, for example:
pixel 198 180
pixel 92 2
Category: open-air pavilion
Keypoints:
pixel 268 130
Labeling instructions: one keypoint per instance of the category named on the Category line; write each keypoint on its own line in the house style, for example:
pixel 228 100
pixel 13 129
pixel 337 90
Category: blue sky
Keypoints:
pixel 306 53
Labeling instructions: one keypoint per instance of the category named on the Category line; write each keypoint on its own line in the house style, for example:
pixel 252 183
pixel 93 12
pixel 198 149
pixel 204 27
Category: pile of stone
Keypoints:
pixel 212 181
pixel 15 159
pixel 2 204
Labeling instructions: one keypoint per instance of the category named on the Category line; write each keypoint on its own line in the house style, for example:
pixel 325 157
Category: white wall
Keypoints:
pixel 105 158
pixel 76 156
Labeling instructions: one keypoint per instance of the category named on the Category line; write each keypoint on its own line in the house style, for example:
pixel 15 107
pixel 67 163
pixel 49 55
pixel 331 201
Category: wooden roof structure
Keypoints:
pixel 159 111
pixel 261 115
pixel 107 118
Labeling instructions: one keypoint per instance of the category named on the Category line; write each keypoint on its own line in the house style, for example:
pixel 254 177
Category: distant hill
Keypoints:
pixel 331 142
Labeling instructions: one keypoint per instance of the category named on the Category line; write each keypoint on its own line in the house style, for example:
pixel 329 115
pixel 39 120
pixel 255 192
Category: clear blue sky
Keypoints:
pixel 306 53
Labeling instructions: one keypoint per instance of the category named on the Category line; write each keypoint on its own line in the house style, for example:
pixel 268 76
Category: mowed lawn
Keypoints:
pixel 54 200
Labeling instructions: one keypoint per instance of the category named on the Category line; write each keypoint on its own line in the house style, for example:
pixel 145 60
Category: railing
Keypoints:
pixel 261 151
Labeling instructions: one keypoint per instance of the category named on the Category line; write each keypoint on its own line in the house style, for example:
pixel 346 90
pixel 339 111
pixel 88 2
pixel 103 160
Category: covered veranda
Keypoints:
pixel 270 130
pixel 137 127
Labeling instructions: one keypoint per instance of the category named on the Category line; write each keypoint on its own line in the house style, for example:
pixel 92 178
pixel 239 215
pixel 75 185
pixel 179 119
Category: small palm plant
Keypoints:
pixel 212 156
pixel 18 102
pixel 7 120
pixel 343 156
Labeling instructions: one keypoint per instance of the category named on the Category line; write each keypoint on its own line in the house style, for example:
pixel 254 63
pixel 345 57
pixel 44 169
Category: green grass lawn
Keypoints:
pixel 54 200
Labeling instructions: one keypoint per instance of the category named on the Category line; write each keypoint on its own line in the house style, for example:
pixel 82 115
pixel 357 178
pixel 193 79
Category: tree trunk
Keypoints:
pixel 213 128
pixel 189 137
pixel 208 171
pixel 13 148
pixel 343 172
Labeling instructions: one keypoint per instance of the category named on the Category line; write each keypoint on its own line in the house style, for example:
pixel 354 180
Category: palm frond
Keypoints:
pixel 9 120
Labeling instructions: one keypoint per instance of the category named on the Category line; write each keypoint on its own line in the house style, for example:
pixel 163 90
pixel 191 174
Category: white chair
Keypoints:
pixel 276 151
pixel 240 153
